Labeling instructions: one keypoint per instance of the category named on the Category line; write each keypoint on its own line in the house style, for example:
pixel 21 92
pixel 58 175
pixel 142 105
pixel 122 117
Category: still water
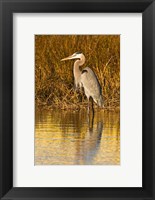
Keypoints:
pixel 73 138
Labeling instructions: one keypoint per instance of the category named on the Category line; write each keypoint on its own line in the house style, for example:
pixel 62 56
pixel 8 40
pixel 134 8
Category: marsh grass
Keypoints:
pixel 54 79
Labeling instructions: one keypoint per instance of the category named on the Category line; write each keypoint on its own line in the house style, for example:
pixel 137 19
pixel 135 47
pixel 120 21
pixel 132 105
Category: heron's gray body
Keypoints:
pixel 91 85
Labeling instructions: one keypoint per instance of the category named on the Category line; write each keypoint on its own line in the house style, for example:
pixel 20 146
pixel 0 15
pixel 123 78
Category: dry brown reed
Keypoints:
pixel 54 79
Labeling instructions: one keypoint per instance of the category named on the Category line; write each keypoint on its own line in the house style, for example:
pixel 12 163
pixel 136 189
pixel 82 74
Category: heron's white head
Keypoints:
pixel 76 55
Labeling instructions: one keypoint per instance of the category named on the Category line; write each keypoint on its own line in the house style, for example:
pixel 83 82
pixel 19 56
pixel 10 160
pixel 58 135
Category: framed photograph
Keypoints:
pixel 77 99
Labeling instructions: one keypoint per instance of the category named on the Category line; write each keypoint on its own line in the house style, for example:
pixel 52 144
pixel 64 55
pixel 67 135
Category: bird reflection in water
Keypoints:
pixel 91 143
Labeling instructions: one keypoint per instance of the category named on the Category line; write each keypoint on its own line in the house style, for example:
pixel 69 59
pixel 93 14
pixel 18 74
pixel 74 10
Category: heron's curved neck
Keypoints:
pixel 77 63
pixel 80 62
pixel 76 69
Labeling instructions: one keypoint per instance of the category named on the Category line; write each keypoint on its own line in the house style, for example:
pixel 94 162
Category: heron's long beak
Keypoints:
pixel 68 58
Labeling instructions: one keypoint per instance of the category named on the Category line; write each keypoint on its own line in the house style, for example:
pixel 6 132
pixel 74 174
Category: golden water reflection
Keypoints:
pixel 73 138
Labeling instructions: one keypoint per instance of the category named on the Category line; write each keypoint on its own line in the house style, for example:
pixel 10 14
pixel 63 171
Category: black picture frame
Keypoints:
pixel 7 8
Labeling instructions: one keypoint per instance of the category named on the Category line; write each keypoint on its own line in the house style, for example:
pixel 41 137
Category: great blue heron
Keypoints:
pixel 86 79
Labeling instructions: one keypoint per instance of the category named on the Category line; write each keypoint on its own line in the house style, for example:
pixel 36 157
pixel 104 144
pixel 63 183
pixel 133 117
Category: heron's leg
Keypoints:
pixel 91 120
pixel 92 106
pixel 88 106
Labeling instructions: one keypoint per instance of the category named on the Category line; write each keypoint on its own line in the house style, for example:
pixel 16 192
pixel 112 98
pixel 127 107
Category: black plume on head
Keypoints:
pixel 78 52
